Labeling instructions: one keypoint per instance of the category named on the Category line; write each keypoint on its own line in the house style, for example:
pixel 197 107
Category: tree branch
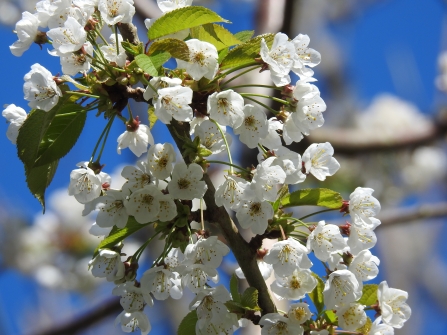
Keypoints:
pixel 405 215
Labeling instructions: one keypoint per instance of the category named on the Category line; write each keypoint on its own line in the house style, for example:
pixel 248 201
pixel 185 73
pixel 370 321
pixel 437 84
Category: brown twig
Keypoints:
pixel 406 215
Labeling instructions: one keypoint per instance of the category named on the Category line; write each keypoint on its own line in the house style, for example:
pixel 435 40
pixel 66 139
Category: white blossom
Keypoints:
pixel 107 264
pixel 144 204
pixel 195 276
pixel 290 162
pixel 304 56
pixel 136 140
pixel 230 192
pixel 186 183
pixel 115 11
pixel 392 302
pixel 299 313
pixel 85 185
pixel 324 240
pixel 378 328
pixel 133 298
pixel 365 266
pixel 69 38
pixel 202 60
pixel 253 128
pixel 265 269
pixel 294 286
pixel 40 89
pixel 318 160
pixel 266 179
pixel 208 251
pixel 110 51
pixel 168 209
pixel 111 210
pixel 226 108
pixel 254 215
pixel 26 30
pixel 173 102
pixel 162 283
pixel 160 158
pixel 16 116
pixel 351 316
pixel 362 237
pixel 277 324
pixel 211 137
pixel 157 83
pixel 137 177
pixel 363 206
pixel 132 321
pixel 272 140
pixel 341 288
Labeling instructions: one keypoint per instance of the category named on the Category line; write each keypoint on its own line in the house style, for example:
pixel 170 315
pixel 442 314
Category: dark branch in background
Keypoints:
pixel 86 319
pixel 405 215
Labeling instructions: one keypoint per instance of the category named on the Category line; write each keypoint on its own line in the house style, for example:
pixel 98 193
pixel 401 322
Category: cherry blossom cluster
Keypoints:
pixel 170 194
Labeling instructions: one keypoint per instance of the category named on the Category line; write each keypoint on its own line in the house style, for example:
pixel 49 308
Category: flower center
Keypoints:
pixel 183 183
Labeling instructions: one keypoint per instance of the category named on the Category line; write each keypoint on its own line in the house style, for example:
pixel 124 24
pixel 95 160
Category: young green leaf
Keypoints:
pixel 283 192
pixel 234 289
pixel 62 134
pixel 117 235
pixel 188 324
pixel 317 294
pixel 215 34
pixel 182 18
pixel 39 178
pixel 249 299
pixel 313 197
pixel 132 48
pixel 176 48
pixel 246 53
pixel 244 35
pixel 151 115
pixel 330 317
pixel 146 63
pixel 369 296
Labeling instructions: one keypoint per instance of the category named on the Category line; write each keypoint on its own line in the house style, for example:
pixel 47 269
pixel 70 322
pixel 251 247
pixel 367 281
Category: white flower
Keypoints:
pixel 85 185
pixel 295 286
pixel 265 269
pixel 341 288
pixel 202 60
pixel 69 38
pixel 16 116
pixel 324 240
pixel 115 11
pixel 109 51
pixel 226 324
pixel 378 328
pixel 276 324
pixel 392 305
pixel 290 162
pixel 186 183
pixel 226 108
pixel 137 177
pixel 208 251
pixel 133 299
pixel 299 313
pixel 280 58
pixel 157 83
pixel 168 209
pixel 173 102
pixel 47 9
pixel 351 316
pixel 272 140
pixel 112 211
pixel 265 181
pixel 40 89
pixel 162 283
pixel 209 303
pixel 363 206
pixel 26 30
pixel 160 158
pixel 75 62
pixel 362 237
pixel 318 160
pixel 291 133
pixel 308 114
pixel 168 5
pixel 136 140
pixel 286 256
pixel 144 204
pixel 365 266
pixel 254 215
pixel 107 264
pixel 195 276
pixel 304 56
pixel 253 128
pixel 132 321
pixel 211 137
pixel 230 192
pixel 319 332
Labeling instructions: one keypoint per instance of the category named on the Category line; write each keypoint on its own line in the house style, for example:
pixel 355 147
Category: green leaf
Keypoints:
pixel 62 134
pixel 246 53
pixel 369 295
pixel 317 294
pixel 234 289
pixel 151 114
pixel 330 317
pixel 283 192
pixel 176 48
pixel 132 48
pixel 249 299
pixel 313 197
pixel 182 18
pixel 244 35
pixel 148 66
pixel 222 54
pixel 235 307
pixel 188 324
pixel 119 234
pixel 215 34
pixel 38 178
pixel 159 58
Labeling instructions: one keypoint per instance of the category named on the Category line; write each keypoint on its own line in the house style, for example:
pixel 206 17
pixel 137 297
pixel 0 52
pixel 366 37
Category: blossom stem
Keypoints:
pixel 253 85
pixel 136 256
pixel 83 94
pixel 262 148
pixel 201 214
pixel 223 75
pixel 226 145
pixel 116 40
pixel 284 102
pixel 323 211
pixel 282 233
pixel 263 105
pixel 101 37
pixel 238 75
pixel 229 164
pixel 106 129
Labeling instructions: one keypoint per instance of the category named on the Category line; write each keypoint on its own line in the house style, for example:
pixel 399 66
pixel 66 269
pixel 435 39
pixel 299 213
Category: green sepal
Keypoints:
pixel 116 235
pixel 215 34
pixel 188 324
pixel 369 294
pixel 244 54
pixel 313 197
pixel 317 294
pixel 181 19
